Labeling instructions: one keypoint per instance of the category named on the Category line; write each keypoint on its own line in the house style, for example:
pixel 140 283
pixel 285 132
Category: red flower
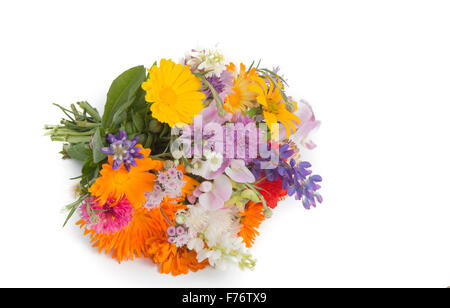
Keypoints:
pixel 272 191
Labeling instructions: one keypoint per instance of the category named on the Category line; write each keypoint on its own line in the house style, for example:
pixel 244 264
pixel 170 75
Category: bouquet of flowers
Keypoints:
pixel 187 160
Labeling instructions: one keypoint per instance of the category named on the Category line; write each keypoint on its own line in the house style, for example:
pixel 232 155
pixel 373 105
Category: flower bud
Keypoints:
pixel 267 212
pixel 155 126
pixel 221 112
pixel 168 164
pixel 290 106
pixel 250 195
pixel 180 219
pixel 177 154
pixel 94 218
pixel 205 186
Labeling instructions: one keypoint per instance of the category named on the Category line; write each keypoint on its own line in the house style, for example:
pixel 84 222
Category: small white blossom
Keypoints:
pixel 215 160
pixel 211 61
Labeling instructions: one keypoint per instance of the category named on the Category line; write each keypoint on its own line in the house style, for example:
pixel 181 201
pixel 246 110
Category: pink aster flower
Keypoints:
pixel 106 218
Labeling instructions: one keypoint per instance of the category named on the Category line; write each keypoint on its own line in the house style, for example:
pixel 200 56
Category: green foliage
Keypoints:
pixel 78 151
pixel 121 96
pixel 89 173
pixel 84 130
pixel 97 144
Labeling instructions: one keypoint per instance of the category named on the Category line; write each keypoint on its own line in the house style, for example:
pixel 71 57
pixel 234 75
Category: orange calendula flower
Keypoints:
pixel 241 97
pixel 171 259
pixel 146 226
pixel 129 242
pixel 131 184
pixel 174 93
pixel 251 218
pixel 274 108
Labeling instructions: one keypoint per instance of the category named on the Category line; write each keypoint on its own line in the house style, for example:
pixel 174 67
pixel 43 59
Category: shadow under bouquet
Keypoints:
pixel 187 160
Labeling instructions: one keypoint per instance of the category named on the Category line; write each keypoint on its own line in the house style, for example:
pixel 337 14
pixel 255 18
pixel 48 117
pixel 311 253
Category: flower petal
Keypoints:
pixel 223 187
pixel 210 201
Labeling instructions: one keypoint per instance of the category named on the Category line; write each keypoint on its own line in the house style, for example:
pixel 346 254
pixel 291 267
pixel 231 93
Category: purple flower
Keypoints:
pixel 122 150
pixel 296 176
pixel 222 84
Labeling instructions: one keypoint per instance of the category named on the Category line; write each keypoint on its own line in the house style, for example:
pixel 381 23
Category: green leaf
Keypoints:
pixel 129 128
pixel 148 142
pixel 138 121
pixel 142 139
pixel 121 95
pixel 97 144
pixel 140 103
pixel 253 111
pixel 72 207
pixel 89 172
pixel 78 151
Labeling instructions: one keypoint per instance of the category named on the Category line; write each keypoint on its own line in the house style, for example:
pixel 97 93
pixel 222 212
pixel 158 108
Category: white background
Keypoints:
pixel 376 72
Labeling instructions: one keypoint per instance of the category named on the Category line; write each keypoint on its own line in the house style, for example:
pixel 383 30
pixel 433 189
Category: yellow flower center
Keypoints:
pixel 235 98
pixel 272 106
pixel 168 96
pixel 121 177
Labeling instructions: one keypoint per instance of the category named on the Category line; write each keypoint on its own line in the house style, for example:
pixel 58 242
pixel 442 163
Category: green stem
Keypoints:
pixel 165 217
pixel 91 111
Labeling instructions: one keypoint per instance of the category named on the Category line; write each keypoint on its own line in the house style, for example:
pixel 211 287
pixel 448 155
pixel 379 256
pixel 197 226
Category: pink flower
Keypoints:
pixel 154 198
pixel 191 199
pixel 107 218
pixel 172 172
pixel 238 172
pixel 162 177
pixel 171 231
pixel 307 125
pixel 180 230
pixel 220 192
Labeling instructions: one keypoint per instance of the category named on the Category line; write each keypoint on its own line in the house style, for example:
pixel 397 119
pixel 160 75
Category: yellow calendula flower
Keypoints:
pixel 174 93
pixel 274 107
pixel 241 97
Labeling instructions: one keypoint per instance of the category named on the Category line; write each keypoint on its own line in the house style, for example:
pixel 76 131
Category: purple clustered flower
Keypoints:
pixel 122 150
pixel 222 84
pixel 296 176
pixel 276 163
pixel 299 181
